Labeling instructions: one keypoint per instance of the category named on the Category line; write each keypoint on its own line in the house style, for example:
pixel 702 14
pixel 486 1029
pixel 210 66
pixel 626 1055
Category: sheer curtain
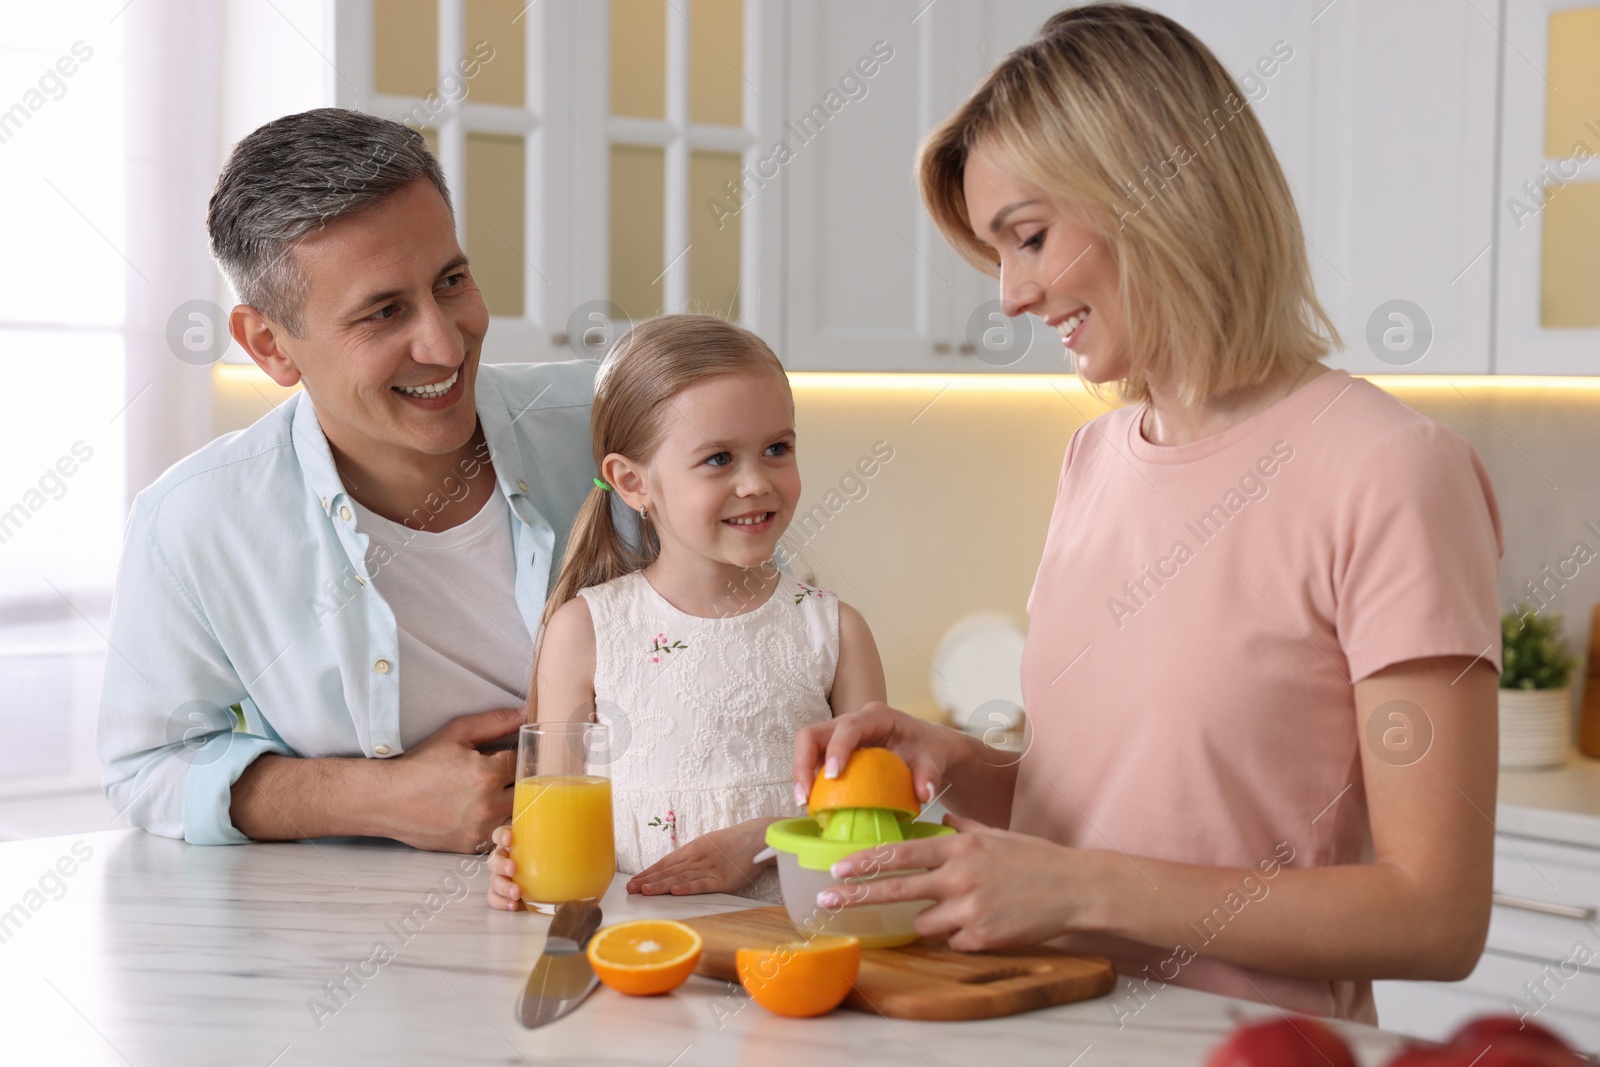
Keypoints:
pixel 62 346
pixel 114 117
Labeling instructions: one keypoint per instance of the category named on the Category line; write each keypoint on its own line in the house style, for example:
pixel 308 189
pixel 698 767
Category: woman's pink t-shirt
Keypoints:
pixel 1197 623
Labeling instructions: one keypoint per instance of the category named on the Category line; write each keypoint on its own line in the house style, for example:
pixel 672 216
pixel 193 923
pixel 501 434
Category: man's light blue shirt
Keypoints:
pixel 244 580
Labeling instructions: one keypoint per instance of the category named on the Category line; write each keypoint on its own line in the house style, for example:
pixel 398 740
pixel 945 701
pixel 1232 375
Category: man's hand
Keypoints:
pixel 718 862
pixel 445 795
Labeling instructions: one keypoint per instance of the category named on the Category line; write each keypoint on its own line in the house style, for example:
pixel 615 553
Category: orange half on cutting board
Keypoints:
pixel 800 978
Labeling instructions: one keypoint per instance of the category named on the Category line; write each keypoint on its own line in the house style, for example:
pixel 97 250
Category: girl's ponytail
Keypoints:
pixel 596 552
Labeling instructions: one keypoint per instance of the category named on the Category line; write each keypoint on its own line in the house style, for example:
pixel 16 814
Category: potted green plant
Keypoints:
pixel 1535 699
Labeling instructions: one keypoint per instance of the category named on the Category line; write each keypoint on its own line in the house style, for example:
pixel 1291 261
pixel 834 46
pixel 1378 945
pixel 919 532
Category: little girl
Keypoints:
pixel 701 655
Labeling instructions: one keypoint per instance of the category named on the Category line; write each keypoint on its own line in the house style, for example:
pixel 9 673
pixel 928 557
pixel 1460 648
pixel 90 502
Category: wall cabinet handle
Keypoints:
pixel 1565 911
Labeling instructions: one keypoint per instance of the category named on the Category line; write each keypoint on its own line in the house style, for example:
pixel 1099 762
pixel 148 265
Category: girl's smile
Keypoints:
pixel 752 522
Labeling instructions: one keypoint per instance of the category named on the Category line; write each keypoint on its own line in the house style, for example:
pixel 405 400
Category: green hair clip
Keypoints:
pixel 602 485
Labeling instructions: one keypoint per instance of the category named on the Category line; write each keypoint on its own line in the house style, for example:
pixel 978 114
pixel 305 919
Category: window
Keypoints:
pixel 62 341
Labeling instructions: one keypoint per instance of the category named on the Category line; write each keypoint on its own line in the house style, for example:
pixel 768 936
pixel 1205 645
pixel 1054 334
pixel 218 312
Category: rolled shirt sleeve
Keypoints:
pixel 167 736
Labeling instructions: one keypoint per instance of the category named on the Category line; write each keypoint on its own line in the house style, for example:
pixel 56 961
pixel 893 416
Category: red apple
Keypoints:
pixel 1513 1052
pixel 1284 1042
pixel 1488 1030
pixel 1427 1056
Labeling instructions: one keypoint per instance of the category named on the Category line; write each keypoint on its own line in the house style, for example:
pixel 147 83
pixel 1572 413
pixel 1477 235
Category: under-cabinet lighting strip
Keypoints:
pixel 967 382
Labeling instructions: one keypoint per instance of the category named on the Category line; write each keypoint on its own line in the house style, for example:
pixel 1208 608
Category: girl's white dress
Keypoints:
pixel 703 712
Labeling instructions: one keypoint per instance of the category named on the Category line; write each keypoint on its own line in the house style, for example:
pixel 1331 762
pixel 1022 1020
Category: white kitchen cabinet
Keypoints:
pixel 1390 162
pixel 1400 203
pixel 1542 956
pixel 1382 115
pixel 870 284
pixel 446 54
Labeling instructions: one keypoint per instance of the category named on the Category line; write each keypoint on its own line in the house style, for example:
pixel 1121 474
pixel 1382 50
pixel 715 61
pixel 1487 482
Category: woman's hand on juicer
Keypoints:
pixel 921 744
pixel 503 892
pixel 991 888
pixel 718 862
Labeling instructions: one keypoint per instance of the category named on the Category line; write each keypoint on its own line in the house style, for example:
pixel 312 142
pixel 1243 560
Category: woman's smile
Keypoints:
pixel 1070 327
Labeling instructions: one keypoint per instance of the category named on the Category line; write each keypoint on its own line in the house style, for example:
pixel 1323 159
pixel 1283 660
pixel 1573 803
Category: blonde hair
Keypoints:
pixel 648 366
pixel 1212 269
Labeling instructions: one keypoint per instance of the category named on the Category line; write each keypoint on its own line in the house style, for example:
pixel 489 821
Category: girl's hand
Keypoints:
pixel 718 862
pixel 503 892
pixel 991 888
pixel 926 747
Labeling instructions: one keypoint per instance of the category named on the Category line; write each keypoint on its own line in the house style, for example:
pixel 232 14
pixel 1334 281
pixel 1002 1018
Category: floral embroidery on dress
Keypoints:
pixel 661 646
pixel 669 824
pixel 806 590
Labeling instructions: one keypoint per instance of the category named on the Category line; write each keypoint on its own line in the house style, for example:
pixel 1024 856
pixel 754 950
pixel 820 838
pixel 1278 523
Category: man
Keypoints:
pixel 362 570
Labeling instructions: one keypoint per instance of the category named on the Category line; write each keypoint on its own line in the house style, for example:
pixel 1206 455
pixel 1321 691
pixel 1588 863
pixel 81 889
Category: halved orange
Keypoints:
pixel 644 957
pixel 801 978
pixel 871 778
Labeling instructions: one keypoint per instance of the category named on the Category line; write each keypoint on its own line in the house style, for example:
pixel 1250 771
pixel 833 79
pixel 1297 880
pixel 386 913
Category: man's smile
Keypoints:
pixel 436 395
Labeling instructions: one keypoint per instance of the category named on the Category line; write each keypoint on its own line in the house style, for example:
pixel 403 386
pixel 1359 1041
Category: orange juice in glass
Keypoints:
pixel 561 829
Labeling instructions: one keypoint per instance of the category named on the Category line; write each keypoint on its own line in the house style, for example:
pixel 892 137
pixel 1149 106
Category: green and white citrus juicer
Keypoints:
pixel 806 848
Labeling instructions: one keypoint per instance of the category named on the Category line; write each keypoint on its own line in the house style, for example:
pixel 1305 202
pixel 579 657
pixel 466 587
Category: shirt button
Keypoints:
pixel 523 486
pixel 382 666
pixel 344 513
pixel 381 750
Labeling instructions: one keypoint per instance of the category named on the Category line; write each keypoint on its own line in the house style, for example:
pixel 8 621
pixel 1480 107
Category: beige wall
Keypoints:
pixel 955 521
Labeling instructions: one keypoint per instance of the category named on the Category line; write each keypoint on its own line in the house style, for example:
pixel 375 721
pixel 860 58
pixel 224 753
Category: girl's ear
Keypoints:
pixel 627 478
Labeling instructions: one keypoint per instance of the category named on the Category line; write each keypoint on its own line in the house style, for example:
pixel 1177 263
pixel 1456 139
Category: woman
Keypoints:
pixel 1264 641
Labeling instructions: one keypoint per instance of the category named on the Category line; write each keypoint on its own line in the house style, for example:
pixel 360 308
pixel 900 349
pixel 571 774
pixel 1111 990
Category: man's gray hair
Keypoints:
pixel 294 175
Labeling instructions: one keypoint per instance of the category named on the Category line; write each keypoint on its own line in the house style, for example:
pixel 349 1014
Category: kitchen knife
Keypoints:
pixel 561 977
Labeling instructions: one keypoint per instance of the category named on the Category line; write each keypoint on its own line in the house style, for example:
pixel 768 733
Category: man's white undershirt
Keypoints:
pixel 464 647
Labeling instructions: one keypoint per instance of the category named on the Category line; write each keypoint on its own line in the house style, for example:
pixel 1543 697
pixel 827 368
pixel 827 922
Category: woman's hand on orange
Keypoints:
pixel 991 888
pixel 923 745
pixel 503 892
pixel 718 862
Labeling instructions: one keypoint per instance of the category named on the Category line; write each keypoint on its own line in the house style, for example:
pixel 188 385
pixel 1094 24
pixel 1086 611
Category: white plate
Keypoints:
pixel 977 672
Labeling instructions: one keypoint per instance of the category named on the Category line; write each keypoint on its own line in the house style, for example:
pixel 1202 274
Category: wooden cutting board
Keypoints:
pixel 925 979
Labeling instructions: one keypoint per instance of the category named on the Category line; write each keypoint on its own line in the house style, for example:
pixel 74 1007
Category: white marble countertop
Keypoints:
pixel 1562 804
pixel 156 952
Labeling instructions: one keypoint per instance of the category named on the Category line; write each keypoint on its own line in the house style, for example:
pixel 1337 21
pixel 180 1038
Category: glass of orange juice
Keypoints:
pixel 561 833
